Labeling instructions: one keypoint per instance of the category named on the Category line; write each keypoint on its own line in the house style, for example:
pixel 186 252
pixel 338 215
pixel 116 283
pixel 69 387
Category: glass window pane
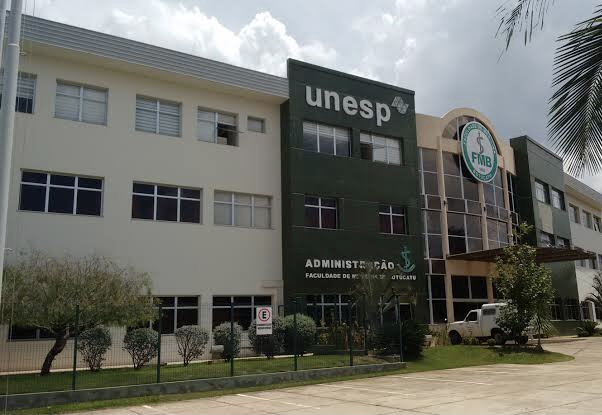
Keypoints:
pixel 226 119
pixel 144 188
pixel 460 287
pixel 62 180
pixel 431 186
pixel 457 245
pixel 243 316
pixel 94 112
pixel 221 301
pixel 33 198
pixel 188 301
pixel 429 160
pixel 455 224
pixel 143 207
pixel 310 136
pixel 222 214
pixel 190 211
pixel 220 315
pixel 471 189
pixel 206 116
pixel 342 148
pixel 326 144
pixel 242 199
pixel 167 191
pixel 394 155
pixel 188 317
pixel 206 131
pixel 33 177
pixel 190 193
pixel 223 197
pixel 328 201
pixel 329 218
pixel 451 164
pixel 312 217
pixel 385 223
pixel 433 221
pixel 167 209
pixel 399 227
pixel 242 216
pixel 473 226
pixel 262 201
pixel 262 300
pixel 478 287
pixel 60 200
pixel 89 183
pixel 435 246
pixel 453 187
pixel 475 244
pixel 88 202
pixel 366 151
pixel 437 286
pixel 312 200
pixel 262 217
pixel 256 124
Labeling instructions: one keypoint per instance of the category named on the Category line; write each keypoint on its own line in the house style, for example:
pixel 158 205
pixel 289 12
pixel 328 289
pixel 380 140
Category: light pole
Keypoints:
pixel 7 118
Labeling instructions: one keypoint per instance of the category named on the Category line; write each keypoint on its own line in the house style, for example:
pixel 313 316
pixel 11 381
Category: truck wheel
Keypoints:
pixel 455 338
pixel 499 338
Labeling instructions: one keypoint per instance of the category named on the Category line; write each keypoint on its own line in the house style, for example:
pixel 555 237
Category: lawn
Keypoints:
pixel 437 358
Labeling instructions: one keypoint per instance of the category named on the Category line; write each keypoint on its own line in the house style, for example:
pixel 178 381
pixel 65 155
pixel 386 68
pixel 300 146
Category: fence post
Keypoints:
pixel 398 310
pixel 231 338
pixel 160 330
pixel 74 373
pixel 349 333
pixel 295 332
pixel 365 329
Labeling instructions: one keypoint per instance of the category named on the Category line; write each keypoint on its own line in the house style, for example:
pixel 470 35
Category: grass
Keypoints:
pixel 437 358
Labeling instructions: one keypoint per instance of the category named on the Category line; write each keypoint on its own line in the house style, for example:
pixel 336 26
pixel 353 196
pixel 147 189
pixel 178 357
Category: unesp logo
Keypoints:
pixel 408 265
pixel 400 105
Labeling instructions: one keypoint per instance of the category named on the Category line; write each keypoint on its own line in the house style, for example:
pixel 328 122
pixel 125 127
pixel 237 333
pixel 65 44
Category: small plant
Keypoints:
pixel 440 335
pixel 470 341
pixel 306 333
pixel 413 336
pixel 191 342
pixel 221 335
pixel 587 328
pixel 93 345
pixel 268 344
pixel 491 342
pixel 141 344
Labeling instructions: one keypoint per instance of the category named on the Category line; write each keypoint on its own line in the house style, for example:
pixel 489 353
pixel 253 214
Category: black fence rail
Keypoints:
pixel 220 345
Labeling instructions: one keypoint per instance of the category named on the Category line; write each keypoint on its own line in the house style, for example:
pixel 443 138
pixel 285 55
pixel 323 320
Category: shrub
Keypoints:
pixel 306 333
pixel 470 341
pixel 491 342
pixel 141 344
pixel 268 345
pixel 221 335
pixel 93 345
pixel 413 338
pixel 587 328
pixel 191 342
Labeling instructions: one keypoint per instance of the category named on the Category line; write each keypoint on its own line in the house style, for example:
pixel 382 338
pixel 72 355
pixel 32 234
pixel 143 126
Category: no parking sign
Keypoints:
pixel 263 320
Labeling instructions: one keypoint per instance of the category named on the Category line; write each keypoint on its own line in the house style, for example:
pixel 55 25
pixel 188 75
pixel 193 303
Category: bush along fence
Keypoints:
pixel 224 342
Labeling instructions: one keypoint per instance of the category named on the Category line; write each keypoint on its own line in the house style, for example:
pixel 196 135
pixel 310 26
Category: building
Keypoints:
pixel 584 206
pixel 229 186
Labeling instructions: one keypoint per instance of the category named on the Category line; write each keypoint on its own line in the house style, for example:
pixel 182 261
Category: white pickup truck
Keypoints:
pixel 481 324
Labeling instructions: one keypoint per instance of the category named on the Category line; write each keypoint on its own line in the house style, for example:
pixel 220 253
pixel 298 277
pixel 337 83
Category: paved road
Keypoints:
pixel 561 388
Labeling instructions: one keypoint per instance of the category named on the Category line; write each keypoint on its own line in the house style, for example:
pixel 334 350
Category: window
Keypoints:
pixel 60 193
pixel 168 203
pixel 562 242
pixel 217 127
pixel 28 333
pixel 556 310
pixel 177 312
pixel 600 265
pixel 244 308
pixel 586 219
pixel 241 209
pixel 320 212
pixel 157 116
pixel 464 233
pixel 379 148
pixel 472 316
pixel 256 124
pixel 26 88
pixel 593 261
pixel 80 103
pixel 542 192
pixel 328 308
pixel 557 199
pixel 573 214
pixel 468 293
pixel 326 139
pixel 392 219
pixel 571 309
pixel 597 224
pixel 546 239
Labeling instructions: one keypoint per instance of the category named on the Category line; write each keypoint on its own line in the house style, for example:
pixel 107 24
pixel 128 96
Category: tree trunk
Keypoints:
pixel 60 341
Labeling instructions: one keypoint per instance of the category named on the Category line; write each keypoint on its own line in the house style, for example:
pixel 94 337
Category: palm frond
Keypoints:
pixel 596 296
pixel 524 15
pixel 575 116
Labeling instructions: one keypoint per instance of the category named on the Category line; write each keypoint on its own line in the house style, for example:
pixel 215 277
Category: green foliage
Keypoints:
pixel 470 341
pixel 526 285
pixel 222 336
pixel 43 292
pixel 596 296
pixel 413 338
pixel 141 344
pixel 93 344
pixel 191 342
pixel 587 328
pixel 306 333
pixel 491 342
pixel 268 345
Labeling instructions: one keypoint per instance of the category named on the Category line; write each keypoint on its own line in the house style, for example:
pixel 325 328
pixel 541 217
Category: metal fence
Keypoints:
pixel 298 342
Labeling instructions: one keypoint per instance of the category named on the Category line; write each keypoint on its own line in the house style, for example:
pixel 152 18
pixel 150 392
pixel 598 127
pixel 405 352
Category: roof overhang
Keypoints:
pixel 543 255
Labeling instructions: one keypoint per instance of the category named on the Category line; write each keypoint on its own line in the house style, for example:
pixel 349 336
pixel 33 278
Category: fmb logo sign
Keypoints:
pixel 479 151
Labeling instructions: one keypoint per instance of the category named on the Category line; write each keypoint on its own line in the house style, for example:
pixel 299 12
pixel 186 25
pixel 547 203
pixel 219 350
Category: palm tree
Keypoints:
pixel 575 114
pixel 596 296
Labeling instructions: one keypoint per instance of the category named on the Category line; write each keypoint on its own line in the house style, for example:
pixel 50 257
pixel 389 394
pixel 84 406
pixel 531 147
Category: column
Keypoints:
pixel 449 299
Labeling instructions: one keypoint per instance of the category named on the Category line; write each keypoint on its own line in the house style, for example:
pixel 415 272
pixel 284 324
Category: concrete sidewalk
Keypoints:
pixel 561 388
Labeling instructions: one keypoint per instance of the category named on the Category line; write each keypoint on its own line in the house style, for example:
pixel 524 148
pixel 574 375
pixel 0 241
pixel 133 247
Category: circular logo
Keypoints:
pixel 479 152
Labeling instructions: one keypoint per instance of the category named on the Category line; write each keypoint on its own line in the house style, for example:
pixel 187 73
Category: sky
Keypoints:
pixel 445 50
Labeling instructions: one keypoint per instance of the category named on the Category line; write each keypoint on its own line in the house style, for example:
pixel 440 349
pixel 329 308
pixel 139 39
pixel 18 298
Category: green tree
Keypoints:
pixel 575 114
pixel 525 285
pixel 596 296
pixel 42 291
